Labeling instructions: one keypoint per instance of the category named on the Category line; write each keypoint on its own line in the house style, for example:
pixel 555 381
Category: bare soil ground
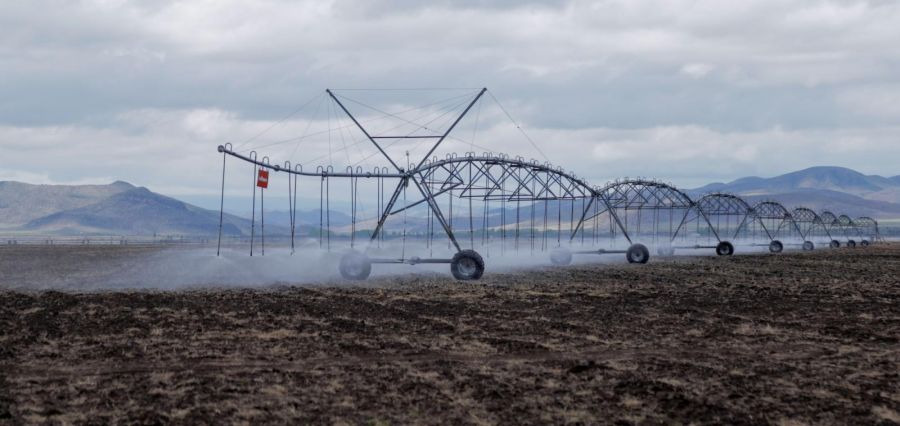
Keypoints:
pixel 791 339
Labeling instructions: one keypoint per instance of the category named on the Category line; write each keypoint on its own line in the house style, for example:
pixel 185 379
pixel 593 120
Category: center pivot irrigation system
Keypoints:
pixel 494 202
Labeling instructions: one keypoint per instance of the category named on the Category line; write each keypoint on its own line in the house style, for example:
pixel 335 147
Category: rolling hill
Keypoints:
pixel 117 208
pixel 838 179
pixel 137 211
pixel 837 202
pixel 21 203
pixel 836 188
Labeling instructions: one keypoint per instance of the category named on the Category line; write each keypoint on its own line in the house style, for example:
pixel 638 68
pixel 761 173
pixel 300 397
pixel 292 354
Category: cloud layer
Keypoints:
pixel 690 91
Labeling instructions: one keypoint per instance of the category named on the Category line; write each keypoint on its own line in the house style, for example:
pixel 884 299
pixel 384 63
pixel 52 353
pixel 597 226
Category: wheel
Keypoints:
pixel 725 249
pixel 808 246
pixel 561 256
pixel 864 243
pixel 467 265
pixel 851 243
pixel 355 266
pixel 834 244
pixel 637 253
pixel 775 246
pixel 665 251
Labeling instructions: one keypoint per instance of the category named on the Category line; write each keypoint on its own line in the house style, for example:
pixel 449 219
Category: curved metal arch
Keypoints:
pixel 723 203
pixel 836 223
pixel 844 220
pixel 828 218
pixel 868 225
pixel 504 178
pixel 771 210
pixel 866 220
pixel 810 220
pixel 498 177
pixel 775 211
pixel 641 193
pixel 806 215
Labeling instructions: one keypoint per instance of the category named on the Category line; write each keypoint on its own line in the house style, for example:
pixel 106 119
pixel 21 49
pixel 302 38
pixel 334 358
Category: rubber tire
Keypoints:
pixel 851 243
pixel 665 251
pixel 864 243
pixel 809 246
pixel 834 244
pixel 561 256
pixel 725 248
pixel 355 266
pixel 460 270
pixel 637 253
pixel 776 247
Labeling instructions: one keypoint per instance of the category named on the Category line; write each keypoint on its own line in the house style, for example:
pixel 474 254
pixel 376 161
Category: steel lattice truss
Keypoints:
pixel 829 220
pixel 775 219
pixel 846 225
pixel 518 197
pixel 499 178
pixel 731 209
pixel 649 211
pixel 808 223
pixel 845 221
pixel 867 228
pixel 636 194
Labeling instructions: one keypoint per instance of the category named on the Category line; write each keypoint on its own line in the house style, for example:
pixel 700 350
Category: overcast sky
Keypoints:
pixel 687 91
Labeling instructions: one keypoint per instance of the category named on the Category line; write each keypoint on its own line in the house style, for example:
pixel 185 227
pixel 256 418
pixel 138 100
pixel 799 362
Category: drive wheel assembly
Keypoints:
pixel 725 248
pixel 467 265
pixel 808 246
pixel 637 253
pixel 775 246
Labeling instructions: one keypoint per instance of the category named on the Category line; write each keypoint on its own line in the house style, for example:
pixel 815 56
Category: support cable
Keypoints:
pixel 531 141
pixel 282 120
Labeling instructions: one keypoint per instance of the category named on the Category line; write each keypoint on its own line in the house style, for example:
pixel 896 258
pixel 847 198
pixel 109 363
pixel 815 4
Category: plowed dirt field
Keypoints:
pixel 790 338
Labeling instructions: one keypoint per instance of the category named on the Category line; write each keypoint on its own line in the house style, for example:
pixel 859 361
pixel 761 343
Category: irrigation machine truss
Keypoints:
pixel 524 205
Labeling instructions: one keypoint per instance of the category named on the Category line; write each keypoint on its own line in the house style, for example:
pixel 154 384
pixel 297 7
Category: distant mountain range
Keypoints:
pixel 837 179
pixel 124 209
pixel 836 188
pixel 121 208
pixel 117 208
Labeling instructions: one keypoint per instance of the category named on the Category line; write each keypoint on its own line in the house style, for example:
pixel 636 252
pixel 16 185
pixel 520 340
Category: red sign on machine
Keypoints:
pixel 262 180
